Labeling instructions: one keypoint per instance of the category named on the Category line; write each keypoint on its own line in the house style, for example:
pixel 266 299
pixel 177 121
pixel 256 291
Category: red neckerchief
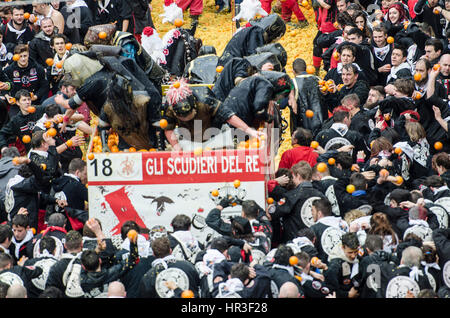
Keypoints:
pixel 54 228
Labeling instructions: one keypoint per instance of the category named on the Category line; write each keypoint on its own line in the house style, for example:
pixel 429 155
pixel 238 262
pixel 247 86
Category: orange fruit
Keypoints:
pixel 132 235
pixel 330 82
pixel 114 149
pixel 399 180
pixel 90 156
pixel 102 35
pixel 438 145
pixel 390 40
pixel 305 3
pixel 355 167
pixel 178 23
pixel 331 161
pixel 417 76
pixel 219 69
pixel 152 150
pixel 43 166
pixel 237 183
pixel 26 15
pixel 398 150
pixel 405 25
pixel 69 143
pixel 52 132
pixel 417 96
pixel 436 66
pixel 215 193
pixel 198 151
pixel 26 139
pixel 314 144
pixel 187 294
pixel 15 160
pixel 314 260
pixel 59 64
pixel 68 46
pixel 309 113
pixel 49 61
pixel 31 109
pixel 435 11
pixel 321 82
pixel 12 100
pixel 176 84
pixel 322 167
pixel 293 260
pixel 324 88
pixel 336 55
pixel 163 123
pixel 33 230
pixel 270 200
pixel 16 57
pixel 132 149
pixel 384 173
pixel 350 188
pixel 310 69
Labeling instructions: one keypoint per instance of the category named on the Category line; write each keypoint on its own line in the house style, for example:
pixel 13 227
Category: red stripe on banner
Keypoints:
pixel 123 209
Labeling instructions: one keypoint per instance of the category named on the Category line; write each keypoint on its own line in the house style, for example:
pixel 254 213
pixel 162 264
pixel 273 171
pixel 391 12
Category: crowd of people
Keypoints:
pixel 358 207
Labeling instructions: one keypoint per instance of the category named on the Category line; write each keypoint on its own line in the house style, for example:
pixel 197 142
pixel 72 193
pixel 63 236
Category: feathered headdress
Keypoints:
pixel 178 91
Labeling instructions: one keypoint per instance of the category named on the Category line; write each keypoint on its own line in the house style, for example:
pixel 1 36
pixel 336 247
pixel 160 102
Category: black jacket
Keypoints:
pixel 249 100
pixel 40 49
pixel 75 192
pixel 19 126
pixel 243 43
pixel 95 284
pixel 148 281
pixel 11 39
pixel 20 274
pixel 295 209
pixel 31 78
pixel 308 97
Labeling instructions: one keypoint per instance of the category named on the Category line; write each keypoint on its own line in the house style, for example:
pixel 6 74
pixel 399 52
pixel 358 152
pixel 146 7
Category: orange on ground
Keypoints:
pixel 178 23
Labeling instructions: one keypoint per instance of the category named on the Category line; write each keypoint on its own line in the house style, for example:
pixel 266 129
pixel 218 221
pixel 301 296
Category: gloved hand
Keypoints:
pixel 226 202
